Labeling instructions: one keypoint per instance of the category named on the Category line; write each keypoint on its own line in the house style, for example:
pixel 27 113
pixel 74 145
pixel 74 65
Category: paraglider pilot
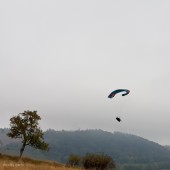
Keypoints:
pixel 118 119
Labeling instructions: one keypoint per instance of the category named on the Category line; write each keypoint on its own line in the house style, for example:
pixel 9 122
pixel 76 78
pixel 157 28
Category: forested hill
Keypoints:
pixel 124 148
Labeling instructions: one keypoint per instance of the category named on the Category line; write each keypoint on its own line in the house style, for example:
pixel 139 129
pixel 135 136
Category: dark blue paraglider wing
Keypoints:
pixel 113 93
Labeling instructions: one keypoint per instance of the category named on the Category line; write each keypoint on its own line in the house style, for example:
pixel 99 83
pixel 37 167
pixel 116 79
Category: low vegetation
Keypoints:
pixel 92 161
pixel 14 163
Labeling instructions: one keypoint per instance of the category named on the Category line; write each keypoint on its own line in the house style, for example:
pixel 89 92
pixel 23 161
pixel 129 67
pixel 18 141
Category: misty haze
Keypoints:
pixel 63 59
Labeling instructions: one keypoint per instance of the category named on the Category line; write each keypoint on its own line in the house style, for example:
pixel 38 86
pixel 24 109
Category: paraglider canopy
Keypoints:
pixel 118 119
pixel 113 93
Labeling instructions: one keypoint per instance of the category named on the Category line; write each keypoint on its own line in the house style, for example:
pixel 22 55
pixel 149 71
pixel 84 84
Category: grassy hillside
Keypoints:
pixel 12 163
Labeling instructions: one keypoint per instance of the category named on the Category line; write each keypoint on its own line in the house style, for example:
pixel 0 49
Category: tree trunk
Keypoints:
pixel 22 149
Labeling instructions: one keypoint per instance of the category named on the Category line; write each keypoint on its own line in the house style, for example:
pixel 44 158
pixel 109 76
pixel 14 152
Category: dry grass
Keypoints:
pixel 12 163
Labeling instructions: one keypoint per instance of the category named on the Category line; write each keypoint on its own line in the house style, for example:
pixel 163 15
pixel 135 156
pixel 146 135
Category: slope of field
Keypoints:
pixel 8 162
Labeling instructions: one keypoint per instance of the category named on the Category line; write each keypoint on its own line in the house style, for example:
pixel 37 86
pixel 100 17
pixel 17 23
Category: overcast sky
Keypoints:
pixel 63 58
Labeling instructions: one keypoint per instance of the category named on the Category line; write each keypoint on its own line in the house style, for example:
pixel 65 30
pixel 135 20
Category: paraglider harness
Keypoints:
pixel 118 119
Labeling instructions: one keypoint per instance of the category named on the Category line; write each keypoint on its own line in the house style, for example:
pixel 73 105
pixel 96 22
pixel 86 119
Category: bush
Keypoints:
pixel 98 162
pixel 74 160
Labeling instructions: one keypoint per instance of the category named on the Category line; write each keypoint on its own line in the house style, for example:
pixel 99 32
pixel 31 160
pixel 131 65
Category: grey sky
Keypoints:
pixel 63 58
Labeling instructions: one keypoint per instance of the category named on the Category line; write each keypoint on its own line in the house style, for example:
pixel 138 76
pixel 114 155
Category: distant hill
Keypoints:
pixel 167 146
pixel 124 148
pixel 4 139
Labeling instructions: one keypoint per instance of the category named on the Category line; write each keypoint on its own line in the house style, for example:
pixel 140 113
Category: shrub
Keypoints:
pixel 98 162
pixel 74 160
